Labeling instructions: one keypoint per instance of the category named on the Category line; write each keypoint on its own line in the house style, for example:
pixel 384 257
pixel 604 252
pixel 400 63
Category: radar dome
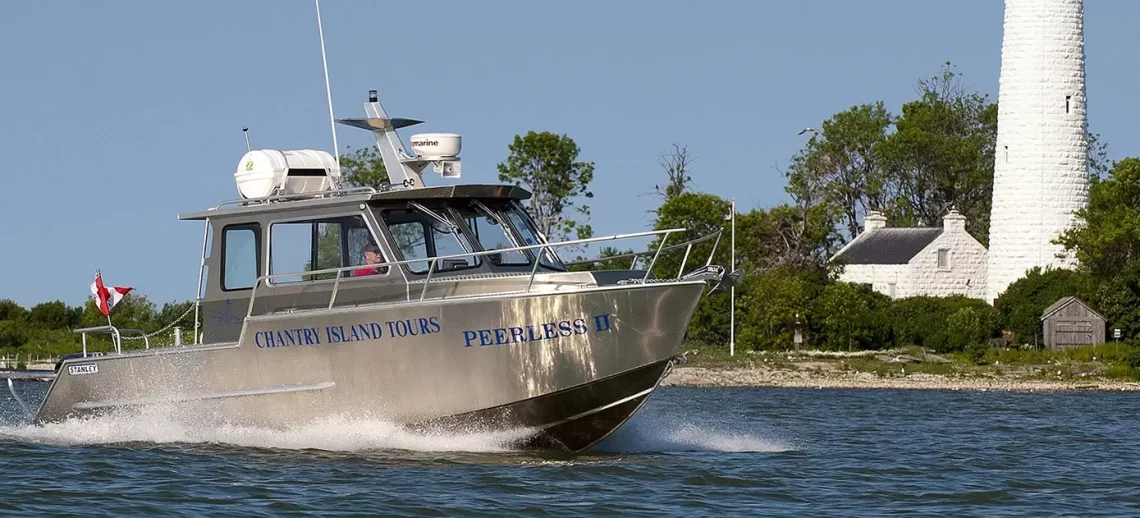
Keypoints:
pixel 270 172
pixel 436 146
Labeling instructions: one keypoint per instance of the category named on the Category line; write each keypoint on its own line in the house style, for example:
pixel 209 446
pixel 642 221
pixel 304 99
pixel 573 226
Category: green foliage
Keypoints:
pixel 941 155
pixel 363 168
pixel 1118 299
pixel 700 214
pixel 938 154
pixel 547 165
pixel 1109 240
pixel 770 302
pixel 850 316
pixel 1023 302
pixel 943 324
pixel 841 168
pixel 54 315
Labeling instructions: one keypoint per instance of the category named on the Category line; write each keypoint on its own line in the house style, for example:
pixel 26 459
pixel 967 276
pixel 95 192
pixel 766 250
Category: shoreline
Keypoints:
pixel 768 377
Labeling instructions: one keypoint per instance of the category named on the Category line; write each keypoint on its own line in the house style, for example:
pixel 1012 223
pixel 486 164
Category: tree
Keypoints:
pixel 700 214
pixel 1022 303
pixel 941 155
pixel 363 168
pixel 841 166
pixel 10 310
pixel 1108 239
pixel 547 165
pixel 1099 164
pixel 54 315
pixel 677 165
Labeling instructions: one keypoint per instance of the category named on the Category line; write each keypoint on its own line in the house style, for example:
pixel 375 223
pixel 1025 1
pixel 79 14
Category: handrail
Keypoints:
pixel 298 196
pixel 434 260
pixel 116 336
pixel 690 242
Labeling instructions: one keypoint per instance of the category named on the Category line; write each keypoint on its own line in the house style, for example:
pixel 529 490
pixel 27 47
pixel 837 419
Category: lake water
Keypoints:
pixel 690 452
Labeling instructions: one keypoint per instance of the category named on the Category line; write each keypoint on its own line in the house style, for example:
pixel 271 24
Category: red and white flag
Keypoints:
pixel 731 211
pixel 106 298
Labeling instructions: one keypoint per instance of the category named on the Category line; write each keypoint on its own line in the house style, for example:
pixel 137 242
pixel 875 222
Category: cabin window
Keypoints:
pixel 522 223
pixel 492 234
pixel 422 236
pixel 297 247
pixel 239 257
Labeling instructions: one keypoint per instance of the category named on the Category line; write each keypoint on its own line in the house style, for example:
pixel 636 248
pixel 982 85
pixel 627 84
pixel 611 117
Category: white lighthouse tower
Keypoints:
pixel 1041 158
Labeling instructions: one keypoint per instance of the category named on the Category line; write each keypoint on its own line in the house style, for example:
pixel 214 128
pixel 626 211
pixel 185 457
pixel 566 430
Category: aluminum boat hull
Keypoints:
pixel 573 366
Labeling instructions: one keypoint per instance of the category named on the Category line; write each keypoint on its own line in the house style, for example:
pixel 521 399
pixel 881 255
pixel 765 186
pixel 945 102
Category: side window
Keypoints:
pixel 296 247
pixel 239 257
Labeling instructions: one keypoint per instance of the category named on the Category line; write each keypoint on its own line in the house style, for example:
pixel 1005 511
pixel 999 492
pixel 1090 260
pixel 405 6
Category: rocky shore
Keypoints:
pixel 760 376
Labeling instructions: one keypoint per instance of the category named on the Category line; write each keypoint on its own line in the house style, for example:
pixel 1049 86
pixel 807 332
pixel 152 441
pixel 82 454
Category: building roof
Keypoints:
pixel 888 245
pixel 1064 302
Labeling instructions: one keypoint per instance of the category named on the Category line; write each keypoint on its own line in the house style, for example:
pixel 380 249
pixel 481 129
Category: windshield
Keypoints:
pixel 493 233
pixel 522 223
pixel 422 234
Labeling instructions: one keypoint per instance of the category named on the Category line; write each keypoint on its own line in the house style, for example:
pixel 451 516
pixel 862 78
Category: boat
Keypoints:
pixel 434 307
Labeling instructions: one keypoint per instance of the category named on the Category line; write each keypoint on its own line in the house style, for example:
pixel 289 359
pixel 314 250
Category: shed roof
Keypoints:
pixel 1063 302
pixel 888 245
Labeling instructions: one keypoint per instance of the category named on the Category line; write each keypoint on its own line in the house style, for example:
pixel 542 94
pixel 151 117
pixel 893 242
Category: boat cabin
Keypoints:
pixel 382 243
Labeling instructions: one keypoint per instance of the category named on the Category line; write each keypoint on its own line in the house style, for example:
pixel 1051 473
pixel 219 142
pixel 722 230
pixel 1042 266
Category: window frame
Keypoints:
pixel 429 245
pixel 257 246
pixel 504 222
pixel 938 259
pixel 345 275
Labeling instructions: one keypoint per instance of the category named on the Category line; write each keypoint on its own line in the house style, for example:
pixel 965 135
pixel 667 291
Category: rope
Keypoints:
pixel 163 330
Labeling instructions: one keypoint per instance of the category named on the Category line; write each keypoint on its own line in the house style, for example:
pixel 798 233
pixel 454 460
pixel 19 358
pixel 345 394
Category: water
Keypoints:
pixel 690 452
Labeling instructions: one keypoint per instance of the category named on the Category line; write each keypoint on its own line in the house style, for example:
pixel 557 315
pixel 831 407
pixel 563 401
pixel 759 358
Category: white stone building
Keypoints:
pixel 904 262
pixel 1041 155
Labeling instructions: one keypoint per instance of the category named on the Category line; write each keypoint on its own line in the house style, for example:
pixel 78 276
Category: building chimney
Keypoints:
pixel 874 221
pixel 954 222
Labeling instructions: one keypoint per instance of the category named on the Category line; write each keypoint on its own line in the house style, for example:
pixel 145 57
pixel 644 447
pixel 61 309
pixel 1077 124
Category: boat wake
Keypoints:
pixel 339 434
pixel 656 434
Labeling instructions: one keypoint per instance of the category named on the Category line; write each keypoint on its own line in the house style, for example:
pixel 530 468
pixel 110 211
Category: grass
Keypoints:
pixel 1106 361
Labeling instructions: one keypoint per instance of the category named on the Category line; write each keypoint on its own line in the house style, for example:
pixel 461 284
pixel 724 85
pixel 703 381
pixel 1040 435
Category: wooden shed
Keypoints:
pixel 1071 323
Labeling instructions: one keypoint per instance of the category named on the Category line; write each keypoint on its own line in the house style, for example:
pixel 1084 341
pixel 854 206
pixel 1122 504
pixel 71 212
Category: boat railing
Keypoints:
pixel 116 336
pixel 348 191
pixel 688 245
pixel 543 248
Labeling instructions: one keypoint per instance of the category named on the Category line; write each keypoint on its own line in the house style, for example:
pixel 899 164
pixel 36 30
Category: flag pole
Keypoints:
pixel 732 289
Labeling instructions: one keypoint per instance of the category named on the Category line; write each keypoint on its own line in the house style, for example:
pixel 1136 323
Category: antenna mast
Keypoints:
pixel 328 90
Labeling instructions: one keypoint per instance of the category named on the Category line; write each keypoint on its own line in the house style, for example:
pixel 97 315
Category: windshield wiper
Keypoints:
pixel 433 215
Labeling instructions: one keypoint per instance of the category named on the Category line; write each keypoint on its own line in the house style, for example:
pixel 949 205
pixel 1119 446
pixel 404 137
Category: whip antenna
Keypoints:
pixel 328 90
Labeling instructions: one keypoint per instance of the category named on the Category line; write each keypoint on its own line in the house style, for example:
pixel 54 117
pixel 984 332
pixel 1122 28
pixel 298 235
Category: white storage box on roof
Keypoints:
pixel 271 172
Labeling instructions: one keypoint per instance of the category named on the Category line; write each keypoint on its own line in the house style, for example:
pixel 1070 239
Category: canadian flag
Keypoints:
pixel 106 298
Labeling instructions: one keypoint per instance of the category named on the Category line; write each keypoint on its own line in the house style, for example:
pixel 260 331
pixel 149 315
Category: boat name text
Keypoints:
pixel 536 332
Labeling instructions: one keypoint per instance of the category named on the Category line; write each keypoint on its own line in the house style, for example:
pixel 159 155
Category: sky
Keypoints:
pixel 116 116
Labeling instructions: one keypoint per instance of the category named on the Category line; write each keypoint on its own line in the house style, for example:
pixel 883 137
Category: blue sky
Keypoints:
pixel 116 116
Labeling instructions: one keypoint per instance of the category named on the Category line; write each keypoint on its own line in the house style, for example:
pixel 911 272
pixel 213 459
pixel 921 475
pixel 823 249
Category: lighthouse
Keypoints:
pixel 1041 153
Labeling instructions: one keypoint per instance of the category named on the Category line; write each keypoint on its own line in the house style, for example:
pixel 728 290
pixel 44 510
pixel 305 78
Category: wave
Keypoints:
pixel 341 434
pixel 657 434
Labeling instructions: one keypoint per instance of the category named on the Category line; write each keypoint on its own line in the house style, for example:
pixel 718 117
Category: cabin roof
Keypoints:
pixel 888 246
pixel 1064 302
pixel 502 191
